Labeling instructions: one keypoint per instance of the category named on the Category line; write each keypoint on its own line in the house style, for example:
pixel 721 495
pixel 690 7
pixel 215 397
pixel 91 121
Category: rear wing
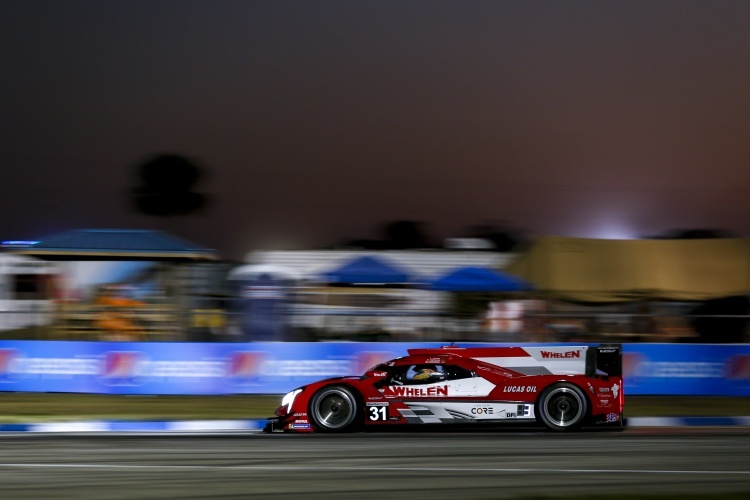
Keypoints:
pixel 604 360
pixel 549 360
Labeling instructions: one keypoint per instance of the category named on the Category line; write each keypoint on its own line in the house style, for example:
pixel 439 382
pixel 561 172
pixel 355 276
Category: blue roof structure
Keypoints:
pixel 367 270
pixel 115 244
pixel 479 279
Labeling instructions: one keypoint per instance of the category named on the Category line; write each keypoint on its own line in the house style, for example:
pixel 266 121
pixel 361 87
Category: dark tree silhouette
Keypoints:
pixel 166 187
pixel 695 234
pixel 721 321
pixel 503 239
pixel 403 234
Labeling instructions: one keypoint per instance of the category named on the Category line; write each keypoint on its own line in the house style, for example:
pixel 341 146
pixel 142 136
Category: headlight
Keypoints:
pixel 288 399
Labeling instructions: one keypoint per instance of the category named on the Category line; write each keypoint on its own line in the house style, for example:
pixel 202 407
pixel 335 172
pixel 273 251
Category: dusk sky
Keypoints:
pixel 319 121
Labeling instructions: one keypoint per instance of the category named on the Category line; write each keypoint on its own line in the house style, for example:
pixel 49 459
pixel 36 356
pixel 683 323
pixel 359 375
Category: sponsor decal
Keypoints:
pixel 299 426
pixel 523 410
pixel 519 388
pixel 244 366
pixel 404 391
pixel 184 369
pixel 613 417
pixel 637 365
pixel 123 368
pixel 307 368
pixel 568 354
pixel 502 373
pixel 55 367
pixel 112 368
pixel 683 370
pixel 7 360
pixel 615 389
pixel 483 410
pixel 604 389
pixel 738 367
pixel 631 363
pixel 135 368
pixel 434 360
pixel 379 374
pixel 377 404
pixel 367 360
pixel 591 387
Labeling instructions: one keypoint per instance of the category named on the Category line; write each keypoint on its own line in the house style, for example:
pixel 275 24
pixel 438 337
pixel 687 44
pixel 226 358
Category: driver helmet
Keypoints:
pixel 426 372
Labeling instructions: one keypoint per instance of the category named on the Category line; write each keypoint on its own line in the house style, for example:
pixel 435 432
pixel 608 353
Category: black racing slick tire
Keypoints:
pixel 335 409
pixel 562 407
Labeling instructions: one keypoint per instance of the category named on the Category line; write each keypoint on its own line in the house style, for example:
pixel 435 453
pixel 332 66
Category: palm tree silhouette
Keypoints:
pixel 167 187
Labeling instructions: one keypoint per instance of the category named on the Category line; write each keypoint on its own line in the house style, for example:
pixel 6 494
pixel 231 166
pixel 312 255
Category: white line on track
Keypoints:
pixel 304 468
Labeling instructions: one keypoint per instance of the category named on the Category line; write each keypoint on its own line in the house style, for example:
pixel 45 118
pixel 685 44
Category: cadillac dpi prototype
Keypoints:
pixel 561 387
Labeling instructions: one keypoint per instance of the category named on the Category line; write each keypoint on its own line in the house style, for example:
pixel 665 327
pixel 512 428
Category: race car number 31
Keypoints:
pixel 377 412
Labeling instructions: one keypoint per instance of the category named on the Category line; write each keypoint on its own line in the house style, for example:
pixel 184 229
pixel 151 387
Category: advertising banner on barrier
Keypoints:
pixel 276 368
pixel 182 368
pixel 687 369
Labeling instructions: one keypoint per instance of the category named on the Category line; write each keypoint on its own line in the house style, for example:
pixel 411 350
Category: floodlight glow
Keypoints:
pixel 613 232
pixel 19 243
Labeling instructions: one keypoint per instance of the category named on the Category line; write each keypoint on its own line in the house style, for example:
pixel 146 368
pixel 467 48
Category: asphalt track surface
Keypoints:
pixel 390 465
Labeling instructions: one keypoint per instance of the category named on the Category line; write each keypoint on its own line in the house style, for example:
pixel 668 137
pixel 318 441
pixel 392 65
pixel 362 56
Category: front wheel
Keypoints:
pixel 335 409
pixel 562 407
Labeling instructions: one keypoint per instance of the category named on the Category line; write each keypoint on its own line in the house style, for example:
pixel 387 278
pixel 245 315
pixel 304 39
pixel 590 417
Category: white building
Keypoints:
pixel 426 264
pixel 26 291
pixel 405 311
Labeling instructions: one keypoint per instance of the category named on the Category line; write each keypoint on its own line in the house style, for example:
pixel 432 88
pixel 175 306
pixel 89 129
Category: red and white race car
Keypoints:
pixel 561 387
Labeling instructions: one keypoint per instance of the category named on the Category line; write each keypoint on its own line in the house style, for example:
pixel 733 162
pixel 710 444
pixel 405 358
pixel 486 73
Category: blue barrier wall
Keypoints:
pixel 275 368
pixel 687 369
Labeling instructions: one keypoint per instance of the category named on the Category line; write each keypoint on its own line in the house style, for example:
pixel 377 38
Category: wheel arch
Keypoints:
pixel 587 414
pixel 358 417
pixel 586 394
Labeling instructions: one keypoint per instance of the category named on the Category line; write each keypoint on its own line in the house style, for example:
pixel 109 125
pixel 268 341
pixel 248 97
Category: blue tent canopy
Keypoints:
pixel 367 270
pixel 478 279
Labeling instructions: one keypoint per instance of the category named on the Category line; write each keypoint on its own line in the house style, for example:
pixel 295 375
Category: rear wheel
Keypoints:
pixel 335 409
pixel 562 407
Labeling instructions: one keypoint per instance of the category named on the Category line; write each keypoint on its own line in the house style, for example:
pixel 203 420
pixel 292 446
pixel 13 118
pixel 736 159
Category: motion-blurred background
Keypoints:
pixel 410 172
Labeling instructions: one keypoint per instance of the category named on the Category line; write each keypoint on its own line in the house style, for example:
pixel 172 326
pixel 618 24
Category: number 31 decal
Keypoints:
pixel 378 413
